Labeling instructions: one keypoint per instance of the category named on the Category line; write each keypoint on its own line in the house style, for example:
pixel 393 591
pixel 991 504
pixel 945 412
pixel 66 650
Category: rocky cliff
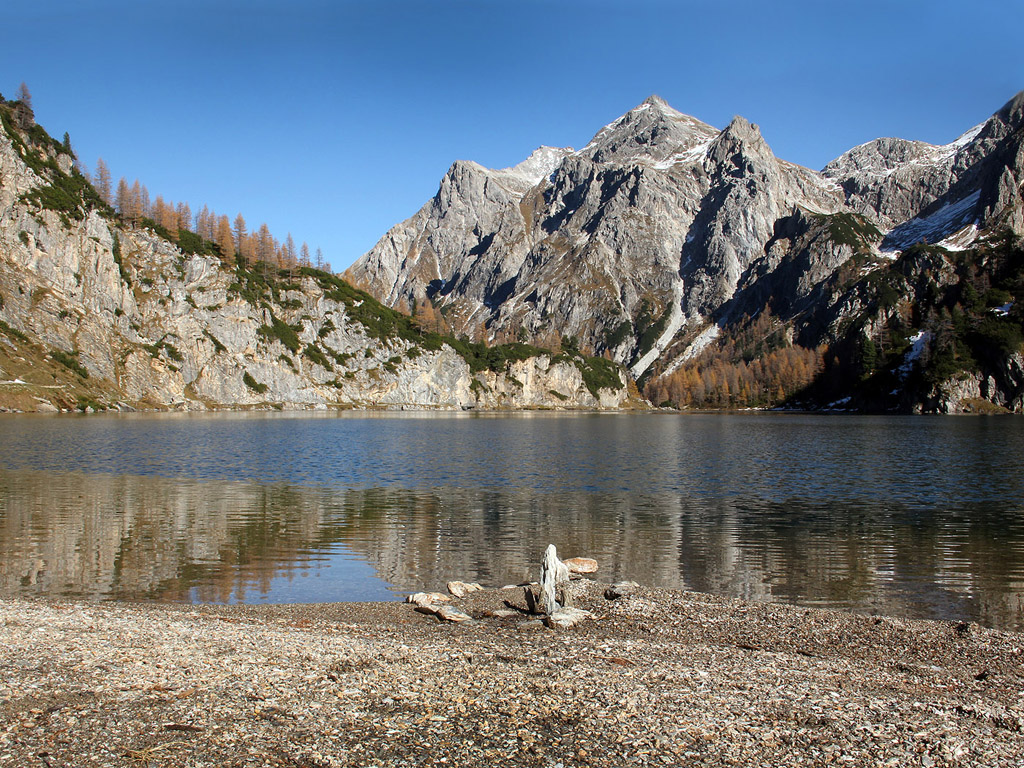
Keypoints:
pixel 95 314
pixel 661 239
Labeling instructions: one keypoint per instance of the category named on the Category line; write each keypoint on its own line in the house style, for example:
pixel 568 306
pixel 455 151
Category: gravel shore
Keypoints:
pixel 654 678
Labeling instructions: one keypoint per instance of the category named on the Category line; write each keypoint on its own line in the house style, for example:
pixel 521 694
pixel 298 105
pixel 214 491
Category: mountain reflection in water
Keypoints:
pixel 725 522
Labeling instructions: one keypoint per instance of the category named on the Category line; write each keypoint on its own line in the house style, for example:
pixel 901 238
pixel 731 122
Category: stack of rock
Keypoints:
pixel 554 600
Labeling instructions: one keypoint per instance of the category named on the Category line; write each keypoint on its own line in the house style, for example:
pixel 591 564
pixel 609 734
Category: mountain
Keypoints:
pixel 674 247
pixel 98 313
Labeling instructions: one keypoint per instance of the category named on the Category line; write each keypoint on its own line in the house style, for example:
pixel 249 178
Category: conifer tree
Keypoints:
pixel 184 216
pixel 144 207
pixel 102 181
pixel 123 197
pixel 241 234
pixel 289 250
pixel 264 244
pixel 224 239
pixel 24 96
pixel 248 248
pixel 204 224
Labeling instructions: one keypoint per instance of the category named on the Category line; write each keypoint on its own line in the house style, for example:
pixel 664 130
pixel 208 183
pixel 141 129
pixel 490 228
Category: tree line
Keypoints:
pixel 755 366
pixel 135 205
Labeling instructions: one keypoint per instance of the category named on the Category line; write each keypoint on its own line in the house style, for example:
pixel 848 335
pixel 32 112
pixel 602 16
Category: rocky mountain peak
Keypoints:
pixel 738 148
pixel 1012 112
pixel 651 131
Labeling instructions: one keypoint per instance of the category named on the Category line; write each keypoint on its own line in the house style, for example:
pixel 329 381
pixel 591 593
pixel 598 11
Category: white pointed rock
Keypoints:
pixel 552 573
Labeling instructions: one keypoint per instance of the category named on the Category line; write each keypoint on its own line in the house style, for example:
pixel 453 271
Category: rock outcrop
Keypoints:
pixel 95 312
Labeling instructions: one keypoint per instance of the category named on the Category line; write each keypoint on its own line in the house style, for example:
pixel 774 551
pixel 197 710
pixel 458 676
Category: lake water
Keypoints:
pixel 911 516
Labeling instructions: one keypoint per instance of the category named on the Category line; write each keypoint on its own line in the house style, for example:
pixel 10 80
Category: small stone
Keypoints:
pixel 450 613
pixel 567 617
pixel 502 613
pixel 461 588
pixel 581 565
pixel 427 598
pixel 620 589
pixel 533 625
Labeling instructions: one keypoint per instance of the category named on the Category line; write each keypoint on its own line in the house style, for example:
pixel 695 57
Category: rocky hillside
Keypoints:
pixel 723 276
pixel 97 314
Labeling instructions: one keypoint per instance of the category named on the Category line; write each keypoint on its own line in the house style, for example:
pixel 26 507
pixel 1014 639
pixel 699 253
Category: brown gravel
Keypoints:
pixel 657 678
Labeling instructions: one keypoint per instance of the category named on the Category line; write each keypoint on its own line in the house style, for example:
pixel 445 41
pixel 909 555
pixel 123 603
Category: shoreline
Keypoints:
pixel 657 677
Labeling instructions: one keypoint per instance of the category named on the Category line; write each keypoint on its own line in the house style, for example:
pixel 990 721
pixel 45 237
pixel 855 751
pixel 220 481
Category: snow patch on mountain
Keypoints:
pixel 918 342
pixel 675 322
pixel 541 163
pixel 951 217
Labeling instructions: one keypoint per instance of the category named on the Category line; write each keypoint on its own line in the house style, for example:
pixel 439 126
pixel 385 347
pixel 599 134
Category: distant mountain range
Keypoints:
pixel 724 276
pixel 666 253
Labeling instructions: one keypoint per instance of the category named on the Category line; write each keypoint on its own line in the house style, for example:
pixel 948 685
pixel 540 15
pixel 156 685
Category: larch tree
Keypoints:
pixel 248 248
pixel 123 201
pixel 204 224
pixel 264 244
pixel 145 209
pixel 102 182
pixel 241 235
pixel 129 201
pixel 184 216
pixel 160 211
pixel 224 239
pixel 304 255
pixel 291 256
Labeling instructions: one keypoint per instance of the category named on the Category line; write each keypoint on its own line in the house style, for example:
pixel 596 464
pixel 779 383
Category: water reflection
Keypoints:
pixel 145 537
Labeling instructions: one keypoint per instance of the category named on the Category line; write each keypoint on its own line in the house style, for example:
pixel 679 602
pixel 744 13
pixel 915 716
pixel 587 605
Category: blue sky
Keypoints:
pixel 334 120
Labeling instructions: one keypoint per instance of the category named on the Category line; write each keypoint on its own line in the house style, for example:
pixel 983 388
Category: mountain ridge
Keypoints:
pixel 644 241
pixel 97 312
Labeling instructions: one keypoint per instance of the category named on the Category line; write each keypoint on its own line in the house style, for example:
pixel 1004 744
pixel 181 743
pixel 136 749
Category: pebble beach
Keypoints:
pixel 652 678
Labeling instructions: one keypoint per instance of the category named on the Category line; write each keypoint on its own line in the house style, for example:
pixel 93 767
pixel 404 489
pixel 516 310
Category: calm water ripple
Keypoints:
pixel 907 515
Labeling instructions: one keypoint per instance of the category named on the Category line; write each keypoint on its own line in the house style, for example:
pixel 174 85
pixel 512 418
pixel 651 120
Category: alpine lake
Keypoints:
pixel 901 515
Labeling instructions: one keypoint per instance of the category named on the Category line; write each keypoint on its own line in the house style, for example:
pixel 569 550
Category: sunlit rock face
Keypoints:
pixel 149 324
pixel 636 242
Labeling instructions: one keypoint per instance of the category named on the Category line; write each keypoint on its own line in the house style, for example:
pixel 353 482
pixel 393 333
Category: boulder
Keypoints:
pixel 450 613
pixel 581 565
pixel 461 588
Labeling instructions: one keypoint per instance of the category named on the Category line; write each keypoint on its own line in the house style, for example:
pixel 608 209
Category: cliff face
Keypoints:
pixel 626 244
pixel 657 240
pixel 96 313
